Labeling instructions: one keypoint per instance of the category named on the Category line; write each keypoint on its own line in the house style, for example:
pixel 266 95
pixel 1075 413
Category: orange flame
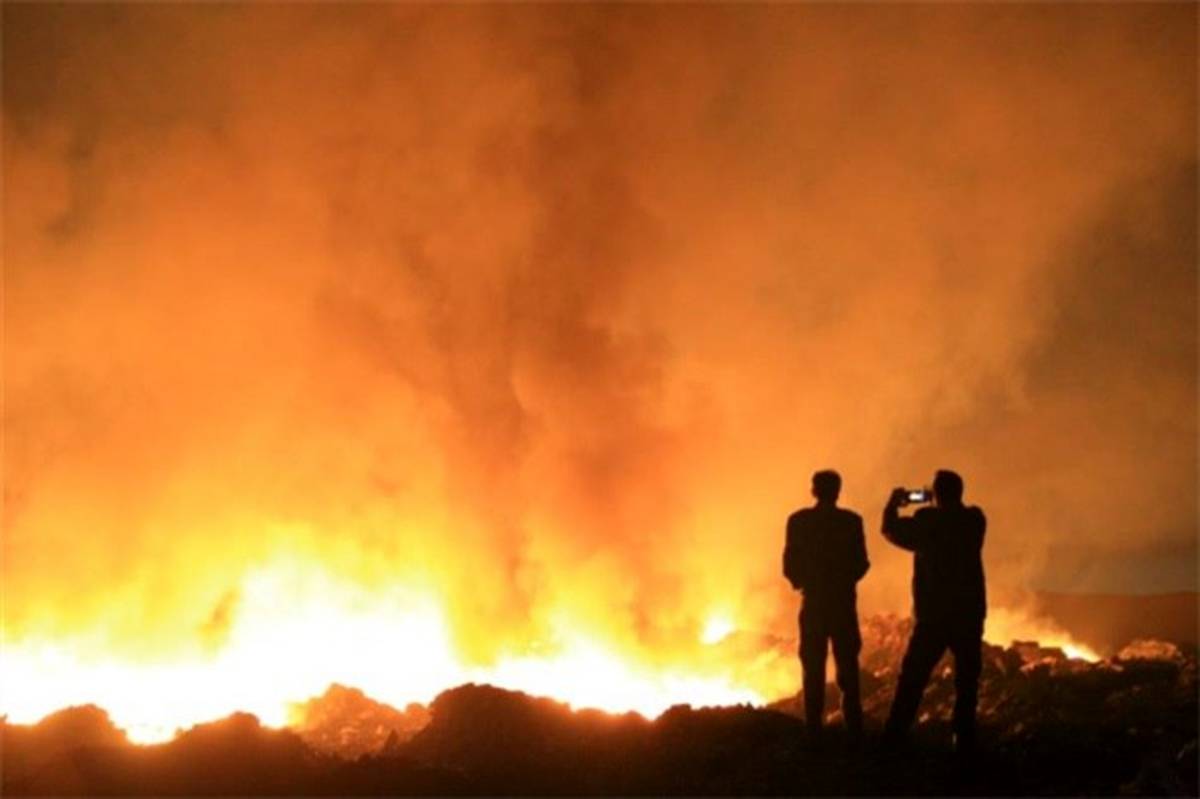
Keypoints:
pixel 1004 626
pixel 297 631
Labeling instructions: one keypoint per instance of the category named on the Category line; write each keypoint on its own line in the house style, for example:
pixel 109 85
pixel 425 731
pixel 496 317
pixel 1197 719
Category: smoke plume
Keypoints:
pixel 553 311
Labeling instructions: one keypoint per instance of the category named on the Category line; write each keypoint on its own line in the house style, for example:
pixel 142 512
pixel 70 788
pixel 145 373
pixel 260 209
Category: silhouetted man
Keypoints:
pixel 949 602
pixel 825 556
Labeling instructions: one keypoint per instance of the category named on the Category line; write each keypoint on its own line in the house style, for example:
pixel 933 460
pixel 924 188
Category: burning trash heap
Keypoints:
pixel 1050 723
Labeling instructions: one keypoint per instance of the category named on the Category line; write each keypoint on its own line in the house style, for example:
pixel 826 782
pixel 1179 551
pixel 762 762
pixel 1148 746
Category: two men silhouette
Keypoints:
pixel 825 556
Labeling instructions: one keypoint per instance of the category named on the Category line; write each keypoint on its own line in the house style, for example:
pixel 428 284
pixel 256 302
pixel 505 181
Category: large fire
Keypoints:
pixel 294 631
pixel 405 345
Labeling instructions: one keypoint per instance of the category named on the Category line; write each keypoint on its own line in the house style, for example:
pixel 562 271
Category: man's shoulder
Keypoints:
pixel 927 514
pixel 824 512
pixel 846 520
pixel 972 512
pixel 825 519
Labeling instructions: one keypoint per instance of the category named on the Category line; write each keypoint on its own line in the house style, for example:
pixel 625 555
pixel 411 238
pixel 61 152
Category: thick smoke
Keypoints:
pixel 555 310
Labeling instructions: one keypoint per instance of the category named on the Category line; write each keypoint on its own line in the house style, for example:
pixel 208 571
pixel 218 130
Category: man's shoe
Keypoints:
pixel 854 737
pixel 816 736
pixel 892 743
pixel 965 746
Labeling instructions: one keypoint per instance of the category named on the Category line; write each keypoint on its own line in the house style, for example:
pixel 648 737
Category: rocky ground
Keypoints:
pixel 1127 725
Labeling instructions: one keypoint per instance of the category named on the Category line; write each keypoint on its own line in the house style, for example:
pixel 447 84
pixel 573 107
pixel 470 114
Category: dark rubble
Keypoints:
pixel 1049 726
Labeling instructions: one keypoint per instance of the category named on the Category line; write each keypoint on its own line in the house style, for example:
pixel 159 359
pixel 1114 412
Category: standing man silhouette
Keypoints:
pixel 824 557
pixel 949 598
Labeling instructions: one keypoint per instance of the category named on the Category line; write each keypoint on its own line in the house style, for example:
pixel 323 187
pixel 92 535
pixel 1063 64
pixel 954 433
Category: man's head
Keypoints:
pixel 947 488
pixel 826 485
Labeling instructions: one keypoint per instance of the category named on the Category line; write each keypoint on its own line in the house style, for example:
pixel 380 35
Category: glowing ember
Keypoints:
pixel 588 675
pixel 1150 649
pixel 716 629
pixel 1079 652
pixel 1004 626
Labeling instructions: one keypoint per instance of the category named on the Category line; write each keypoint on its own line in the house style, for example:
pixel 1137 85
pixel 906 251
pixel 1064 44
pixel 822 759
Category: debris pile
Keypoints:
pixel 1049 724
pixel 346 722
pixel 1151 649
pixel 1022 684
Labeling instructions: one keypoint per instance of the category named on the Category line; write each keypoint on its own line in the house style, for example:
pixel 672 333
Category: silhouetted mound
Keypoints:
pixel 83 725
pixel 47 753
pixel 512 742
pixel 233 756
pixel 1049 725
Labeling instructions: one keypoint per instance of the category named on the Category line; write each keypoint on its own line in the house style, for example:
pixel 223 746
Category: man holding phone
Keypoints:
pixel 949 597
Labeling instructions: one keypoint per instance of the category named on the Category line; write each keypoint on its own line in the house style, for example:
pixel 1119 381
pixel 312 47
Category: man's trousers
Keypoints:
pixel 820 624
pixel 930 640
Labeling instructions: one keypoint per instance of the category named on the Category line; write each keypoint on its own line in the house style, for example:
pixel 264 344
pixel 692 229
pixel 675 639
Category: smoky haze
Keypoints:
pixel 555 310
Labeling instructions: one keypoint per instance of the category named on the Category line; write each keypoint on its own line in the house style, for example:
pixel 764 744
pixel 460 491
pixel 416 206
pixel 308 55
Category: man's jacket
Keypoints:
pixel 826 553
pixel 947 547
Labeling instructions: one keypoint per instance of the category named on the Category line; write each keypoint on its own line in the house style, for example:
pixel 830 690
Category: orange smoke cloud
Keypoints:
pixel 546 315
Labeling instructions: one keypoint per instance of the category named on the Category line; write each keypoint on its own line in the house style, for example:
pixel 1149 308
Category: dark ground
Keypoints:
pixel 1050 726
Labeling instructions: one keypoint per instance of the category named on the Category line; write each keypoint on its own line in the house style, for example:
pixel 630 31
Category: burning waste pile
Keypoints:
pixel 1050 723
pixel 347 723
pixel 1016 678
pixel 1135 711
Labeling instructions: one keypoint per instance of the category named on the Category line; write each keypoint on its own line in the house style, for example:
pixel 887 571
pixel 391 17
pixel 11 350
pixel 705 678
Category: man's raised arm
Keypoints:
pixel 899 530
